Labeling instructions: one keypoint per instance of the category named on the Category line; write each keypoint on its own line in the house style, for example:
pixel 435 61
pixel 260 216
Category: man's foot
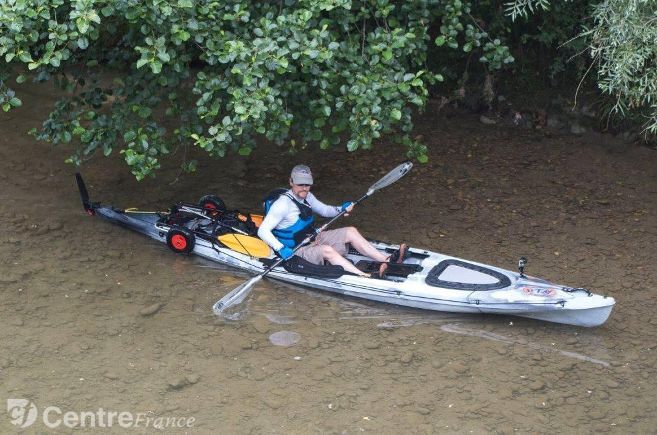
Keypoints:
pixel 381 273
pixel 400 255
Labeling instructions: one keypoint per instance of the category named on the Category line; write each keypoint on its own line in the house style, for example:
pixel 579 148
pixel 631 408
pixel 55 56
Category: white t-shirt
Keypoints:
pixel 283 213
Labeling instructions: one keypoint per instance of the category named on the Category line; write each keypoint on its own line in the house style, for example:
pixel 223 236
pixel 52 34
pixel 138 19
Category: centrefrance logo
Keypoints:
pixel 25 413
pixel 22 412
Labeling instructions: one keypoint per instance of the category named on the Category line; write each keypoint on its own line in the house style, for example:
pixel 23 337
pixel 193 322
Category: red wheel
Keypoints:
pixel 212 203
pixel 180 240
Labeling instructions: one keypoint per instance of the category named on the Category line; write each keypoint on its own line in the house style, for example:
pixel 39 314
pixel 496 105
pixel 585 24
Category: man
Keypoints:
pixel 289 220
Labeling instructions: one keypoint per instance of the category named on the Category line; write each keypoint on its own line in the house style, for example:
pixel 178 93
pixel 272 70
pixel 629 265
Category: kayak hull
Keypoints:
pixel 441 282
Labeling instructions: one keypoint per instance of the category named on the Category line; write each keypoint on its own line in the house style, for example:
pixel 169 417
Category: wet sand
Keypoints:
pixel 96 316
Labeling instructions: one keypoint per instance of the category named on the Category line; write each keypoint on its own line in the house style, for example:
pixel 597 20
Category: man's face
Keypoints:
pixel 300 190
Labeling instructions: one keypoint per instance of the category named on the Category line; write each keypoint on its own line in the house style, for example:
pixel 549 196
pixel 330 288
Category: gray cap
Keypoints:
pixel 301 175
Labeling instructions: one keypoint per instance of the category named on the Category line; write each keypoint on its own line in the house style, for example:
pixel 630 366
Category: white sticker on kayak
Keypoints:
pixel 540 291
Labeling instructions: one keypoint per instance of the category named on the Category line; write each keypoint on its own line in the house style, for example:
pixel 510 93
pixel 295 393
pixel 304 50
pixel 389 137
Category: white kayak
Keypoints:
pixel 426 280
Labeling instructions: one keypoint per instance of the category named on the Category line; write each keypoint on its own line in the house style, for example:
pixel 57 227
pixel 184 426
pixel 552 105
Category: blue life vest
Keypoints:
pixel 298 231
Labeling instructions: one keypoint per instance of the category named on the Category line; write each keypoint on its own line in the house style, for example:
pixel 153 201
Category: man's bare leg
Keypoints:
pixel 363 246
pixel 332 256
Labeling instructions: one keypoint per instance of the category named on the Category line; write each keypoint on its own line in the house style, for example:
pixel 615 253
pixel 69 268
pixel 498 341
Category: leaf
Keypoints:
pixel 129 136
pixel 82 24
pixel 15 102
pixel 387 54
pixel 395 114
pixel 440 41
pixel 185 4
pixel 141 62
pixel 245 151
pixel 144 112
pixel 156 67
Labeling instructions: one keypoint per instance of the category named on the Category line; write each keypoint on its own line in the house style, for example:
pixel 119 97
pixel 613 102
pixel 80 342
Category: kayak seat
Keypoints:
pixel 394 269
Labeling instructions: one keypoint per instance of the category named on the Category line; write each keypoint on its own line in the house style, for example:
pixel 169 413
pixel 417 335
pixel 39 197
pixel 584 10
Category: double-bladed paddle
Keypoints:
pixel 238 294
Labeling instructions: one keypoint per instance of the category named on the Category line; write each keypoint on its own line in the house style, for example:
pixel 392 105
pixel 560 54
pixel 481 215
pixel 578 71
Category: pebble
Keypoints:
pixel 151 309
pixel 312 343
pixel 192 378
pixel 407 357
pixel 612 384
pixel 178 383
pixel 537 385
pixel 486 120
pixel 111 375
pixel 459 368
pixel 272 402
pixel 262 325
pixel 55 225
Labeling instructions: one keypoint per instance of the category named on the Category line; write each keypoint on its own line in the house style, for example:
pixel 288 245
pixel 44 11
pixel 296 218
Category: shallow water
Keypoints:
pixel 95 316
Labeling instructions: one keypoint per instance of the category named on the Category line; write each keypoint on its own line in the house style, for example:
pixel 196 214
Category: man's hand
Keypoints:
pixel 285 253
pixel 347 207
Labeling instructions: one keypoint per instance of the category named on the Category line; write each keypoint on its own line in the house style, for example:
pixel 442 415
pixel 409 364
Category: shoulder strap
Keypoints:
pixel 305 209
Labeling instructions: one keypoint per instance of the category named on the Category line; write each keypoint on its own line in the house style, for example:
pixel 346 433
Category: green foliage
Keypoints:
pixel 221 74
pixel 523 8
pixel 460 30
pixel 145 78
pixel 621 40
pixel 623 44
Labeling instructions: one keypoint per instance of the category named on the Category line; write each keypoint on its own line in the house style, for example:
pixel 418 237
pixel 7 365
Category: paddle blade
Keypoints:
pixel 251 246
pixel 236 296
pixel 391 177
pixel 84 195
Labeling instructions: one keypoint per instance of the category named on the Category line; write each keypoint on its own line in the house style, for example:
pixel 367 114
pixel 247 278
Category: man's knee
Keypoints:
pixel 352 232
pixel 328 252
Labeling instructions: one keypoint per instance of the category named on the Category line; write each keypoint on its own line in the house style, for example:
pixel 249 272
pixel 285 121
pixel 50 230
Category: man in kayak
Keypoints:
pixel 289 220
